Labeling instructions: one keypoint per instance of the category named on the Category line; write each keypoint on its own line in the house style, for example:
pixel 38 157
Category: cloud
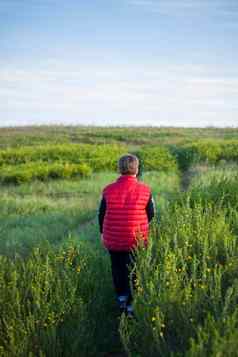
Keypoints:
pixel 191 7
pixel 184 93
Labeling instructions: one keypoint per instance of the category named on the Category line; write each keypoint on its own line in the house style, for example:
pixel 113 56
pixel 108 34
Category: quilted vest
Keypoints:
pixel 125 220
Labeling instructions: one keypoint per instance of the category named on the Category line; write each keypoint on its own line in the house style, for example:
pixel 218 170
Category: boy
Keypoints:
pixel 125 211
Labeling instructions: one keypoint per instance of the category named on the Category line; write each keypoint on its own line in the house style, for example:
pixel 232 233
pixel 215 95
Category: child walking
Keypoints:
pixel 125 210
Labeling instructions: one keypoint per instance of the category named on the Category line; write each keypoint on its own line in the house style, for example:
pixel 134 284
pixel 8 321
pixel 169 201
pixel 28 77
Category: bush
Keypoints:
pixel 229 150
pixel 185 156
pixel 98 157
pixel 156 158
pixel 209 151
pixel 19 165
pixel 42 171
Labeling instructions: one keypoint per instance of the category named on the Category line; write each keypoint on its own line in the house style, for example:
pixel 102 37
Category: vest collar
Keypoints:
pixel 127 178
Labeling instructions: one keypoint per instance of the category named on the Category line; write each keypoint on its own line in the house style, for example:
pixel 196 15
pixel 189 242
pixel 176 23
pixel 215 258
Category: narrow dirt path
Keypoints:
pixel 186 178
pixel 85 225
pixel 89 230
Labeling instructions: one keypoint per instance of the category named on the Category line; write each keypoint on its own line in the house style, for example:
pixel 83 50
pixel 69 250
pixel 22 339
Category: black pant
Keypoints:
pixel 122 263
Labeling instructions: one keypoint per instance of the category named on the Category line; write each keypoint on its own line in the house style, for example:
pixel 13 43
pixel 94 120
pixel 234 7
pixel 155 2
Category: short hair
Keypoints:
pixel 128 164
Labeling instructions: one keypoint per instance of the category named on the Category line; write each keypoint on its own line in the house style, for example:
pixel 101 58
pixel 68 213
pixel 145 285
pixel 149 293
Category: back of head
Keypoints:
pixel 128 164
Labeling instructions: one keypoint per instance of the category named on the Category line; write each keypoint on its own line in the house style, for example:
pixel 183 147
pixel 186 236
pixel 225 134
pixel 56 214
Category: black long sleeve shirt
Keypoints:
pixel 150 210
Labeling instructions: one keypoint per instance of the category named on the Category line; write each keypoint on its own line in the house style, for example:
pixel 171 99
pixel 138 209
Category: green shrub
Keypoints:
pixel 229 150
pixel 156 158
pixel 185 156
pixel 98 157
pixel 42 171
pixel 19 165
pixel 209 151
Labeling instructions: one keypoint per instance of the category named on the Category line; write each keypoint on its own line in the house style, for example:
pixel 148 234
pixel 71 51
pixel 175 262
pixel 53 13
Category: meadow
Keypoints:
pixel 56 294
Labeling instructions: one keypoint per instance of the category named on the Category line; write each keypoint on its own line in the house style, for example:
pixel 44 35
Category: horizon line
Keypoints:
pixel 122 126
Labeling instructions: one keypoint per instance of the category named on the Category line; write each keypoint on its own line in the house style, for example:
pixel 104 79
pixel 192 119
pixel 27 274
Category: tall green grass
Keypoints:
pixel 217 185
pixel 58 301
pixel 187 281
pixel 57 295
pixel 187 286
pixel 46 211
pixel 56 292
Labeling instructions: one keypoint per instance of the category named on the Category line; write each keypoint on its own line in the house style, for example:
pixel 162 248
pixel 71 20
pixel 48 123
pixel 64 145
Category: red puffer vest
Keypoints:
pixel 125 220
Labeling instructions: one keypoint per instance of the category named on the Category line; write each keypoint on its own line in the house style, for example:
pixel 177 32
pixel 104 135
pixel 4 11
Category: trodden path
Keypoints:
pixel 103 307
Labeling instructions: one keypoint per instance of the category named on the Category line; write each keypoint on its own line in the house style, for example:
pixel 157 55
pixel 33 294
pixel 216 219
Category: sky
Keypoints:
pixel 119 62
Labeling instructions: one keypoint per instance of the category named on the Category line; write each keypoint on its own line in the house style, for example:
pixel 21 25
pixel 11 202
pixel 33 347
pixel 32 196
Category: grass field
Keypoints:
pixel 56 294
pixel 132 136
